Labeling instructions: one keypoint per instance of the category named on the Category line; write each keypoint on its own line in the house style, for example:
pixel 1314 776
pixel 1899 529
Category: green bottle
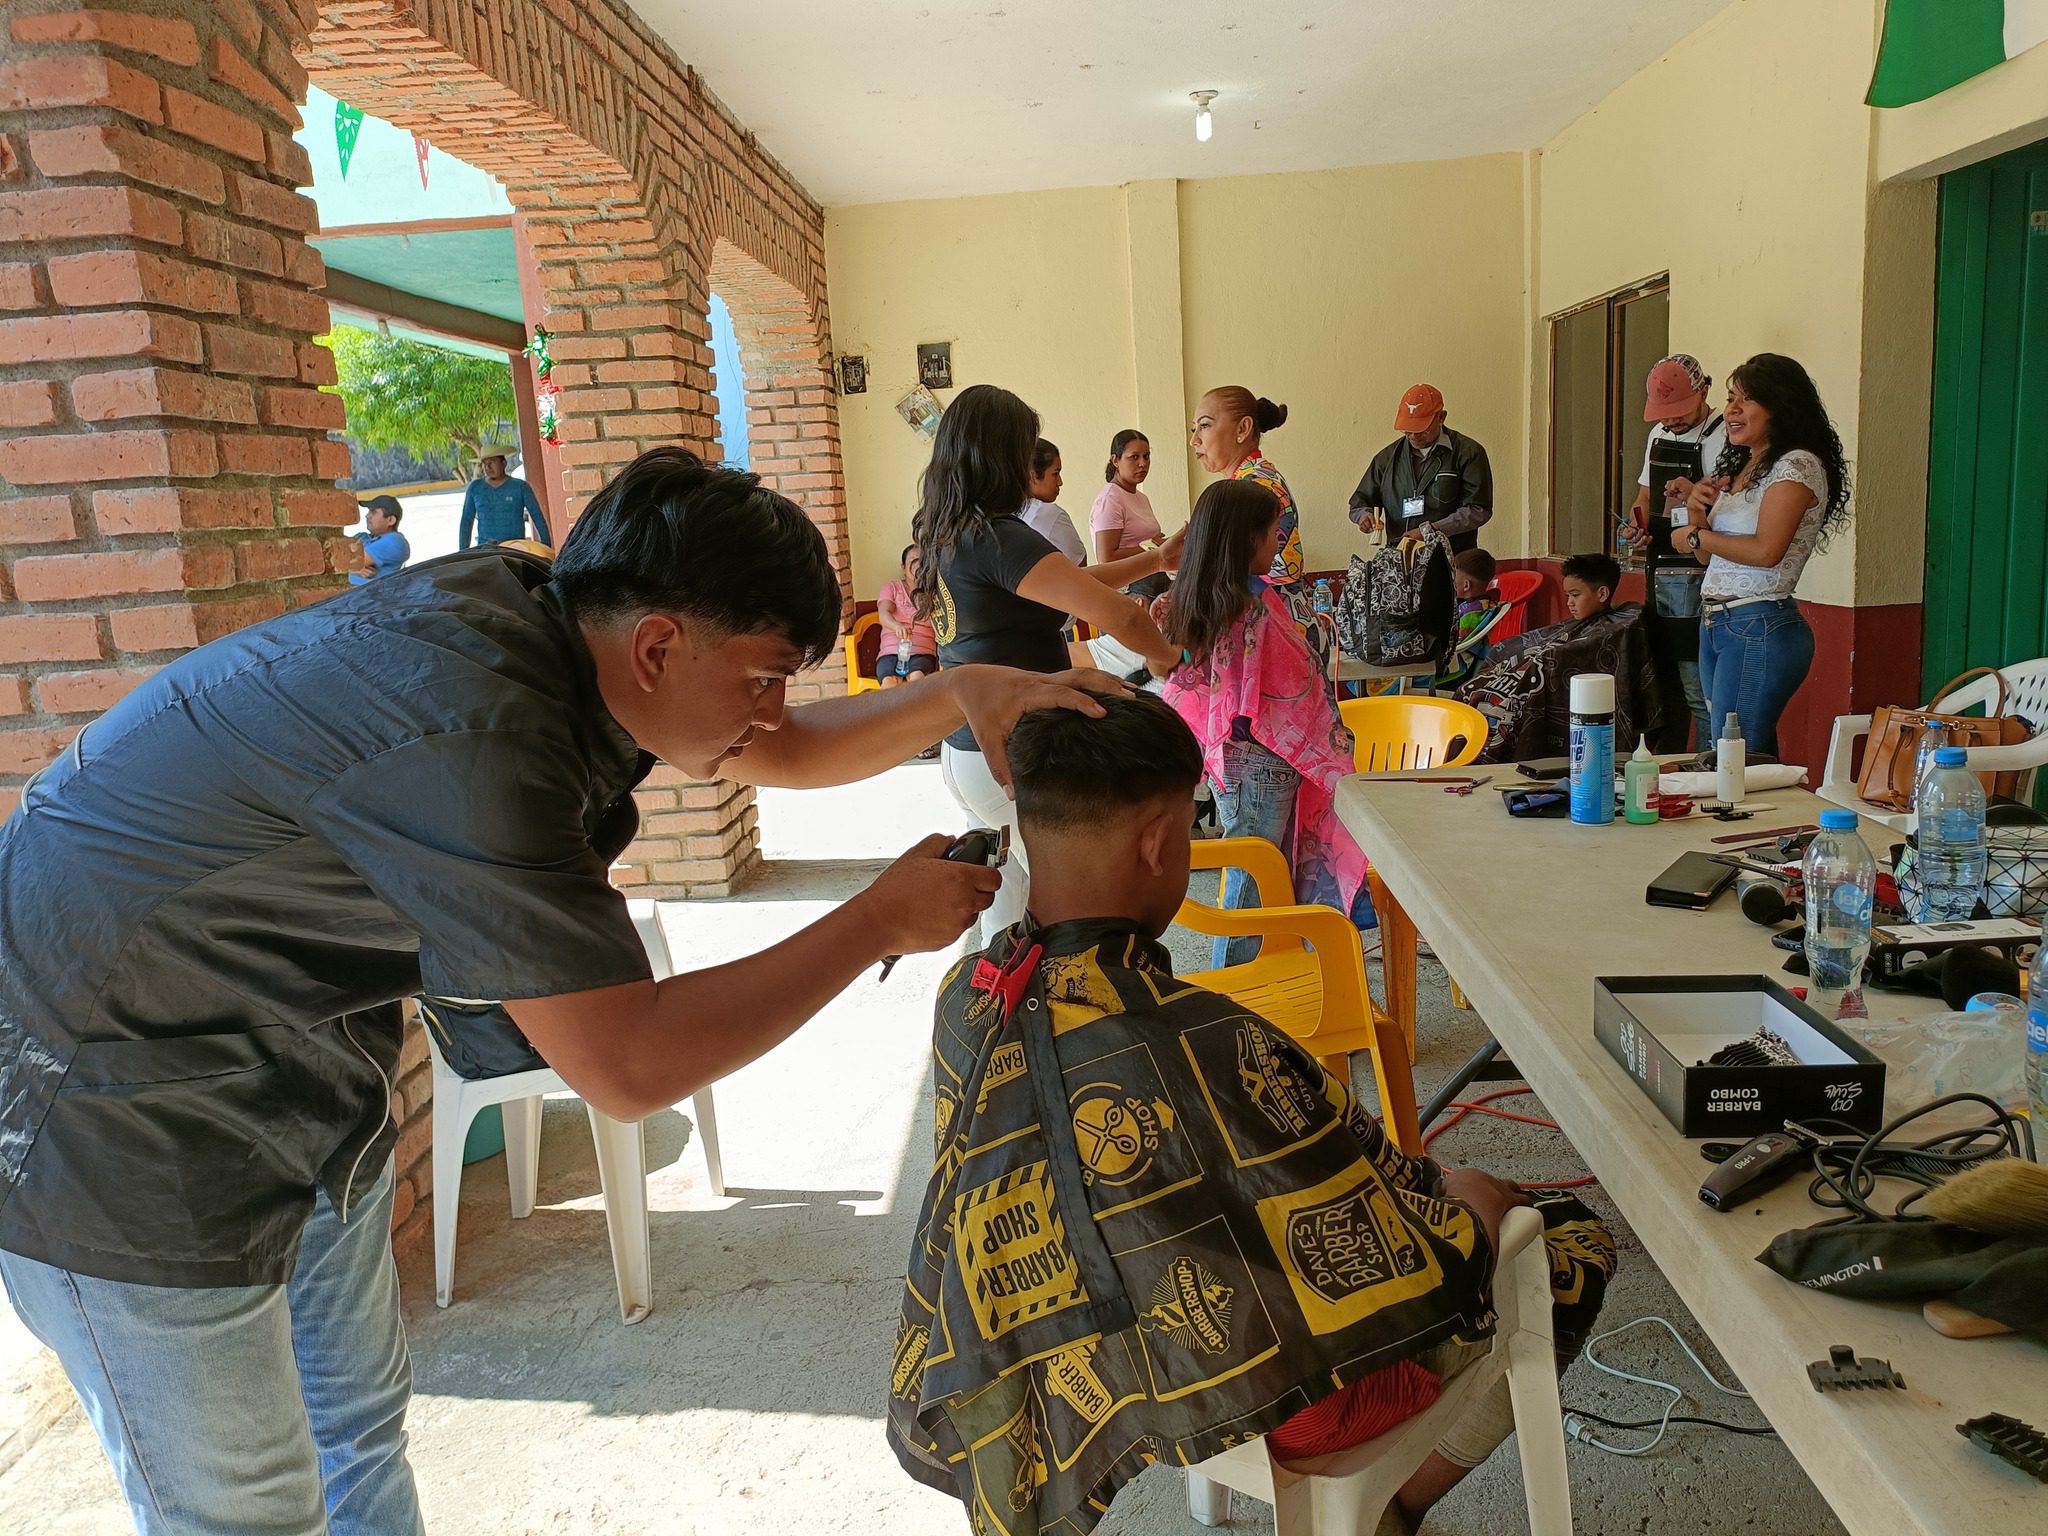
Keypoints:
pixel 1639 782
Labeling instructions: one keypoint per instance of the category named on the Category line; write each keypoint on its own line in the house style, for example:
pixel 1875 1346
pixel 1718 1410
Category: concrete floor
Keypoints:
pixel 750 1402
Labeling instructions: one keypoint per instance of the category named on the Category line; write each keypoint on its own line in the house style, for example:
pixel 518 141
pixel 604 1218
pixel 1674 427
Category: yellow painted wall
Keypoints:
pixel 1114 307
pixel 1334 291
pixel 1032 291
pixel 1738 163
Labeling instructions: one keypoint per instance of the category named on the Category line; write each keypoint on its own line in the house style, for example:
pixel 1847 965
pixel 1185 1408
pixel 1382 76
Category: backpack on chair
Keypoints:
pixel 1397 607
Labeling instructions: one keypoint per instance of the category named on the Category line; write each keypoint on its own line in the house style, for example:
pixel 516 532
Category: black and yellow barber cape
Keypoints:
pixel 1155 1227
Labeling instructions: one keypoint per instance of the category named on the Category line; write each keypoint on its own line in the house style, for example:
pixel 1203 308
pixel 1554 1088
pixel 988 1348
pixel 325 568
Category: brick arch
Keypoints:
pixel 617 179
pixel 792 412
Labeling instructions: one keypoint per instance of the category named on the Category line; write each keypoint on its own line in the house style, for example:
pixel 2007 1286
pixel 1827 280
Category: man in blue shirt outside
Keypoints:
pixel 383 545
pixel 496 507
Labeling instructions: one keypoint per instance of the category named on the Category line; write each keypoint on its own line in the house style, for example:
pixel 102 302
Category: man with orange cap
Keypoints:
pixel 1429 474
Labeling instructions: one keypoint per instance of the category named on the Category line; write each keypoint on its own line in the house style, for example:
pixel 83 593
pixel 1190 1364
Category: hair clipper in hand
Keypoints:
pixel 987 846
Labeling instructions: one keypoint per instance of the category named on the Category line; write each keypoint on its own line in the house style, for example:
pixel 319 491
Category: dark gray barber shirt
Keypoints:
pixel 211 904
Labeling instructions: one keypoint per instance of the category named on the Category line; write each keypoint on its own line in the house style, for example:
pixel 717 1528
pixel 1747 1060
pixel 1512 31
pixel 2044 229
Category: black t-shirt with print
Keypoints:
pixel 978 615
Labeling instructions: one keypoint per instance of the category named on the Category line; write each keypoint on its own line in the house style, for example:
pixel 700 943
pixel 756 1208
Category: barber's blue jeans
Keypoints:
pixel 1752 660
pixel 1258 801
pixel 1678 597
pixel 263 1410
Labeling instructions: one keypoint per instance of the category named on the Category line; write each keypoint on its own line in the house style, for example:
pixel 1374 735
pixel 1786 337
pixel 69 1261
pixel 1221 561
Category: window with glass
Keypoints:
pixel 1601 354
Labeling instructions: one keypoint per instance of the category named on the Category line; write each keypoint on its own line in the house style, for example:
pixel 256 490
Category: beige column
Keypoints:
pixel 1152 241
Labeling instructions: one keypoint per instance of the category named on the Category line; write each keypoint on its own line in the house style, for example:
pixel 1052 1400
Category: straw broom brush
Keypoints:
pixel 2005 1197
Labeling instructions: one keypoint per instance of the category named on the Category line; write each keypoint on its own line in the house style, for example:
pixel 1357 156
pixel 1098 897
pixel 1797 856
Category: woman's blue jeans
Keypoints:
pixel 1752 660
pixel 1258 801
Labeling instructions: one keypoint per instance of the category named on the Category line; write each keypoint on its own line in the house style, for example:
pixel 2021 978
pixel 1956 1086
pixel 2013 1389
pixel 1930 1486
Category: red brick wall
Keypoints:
pixel 166 473
pixel 163 445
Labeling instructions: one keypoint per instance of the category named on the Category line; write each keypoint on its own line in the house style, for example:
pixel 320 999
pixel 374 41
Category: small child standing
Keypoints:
pixel 909 647
pixel 1471 583
pixel 1590 582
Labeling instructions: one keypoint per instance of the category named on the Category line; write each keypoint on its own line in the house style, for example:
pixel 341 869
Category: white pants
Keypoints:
pixel 977 793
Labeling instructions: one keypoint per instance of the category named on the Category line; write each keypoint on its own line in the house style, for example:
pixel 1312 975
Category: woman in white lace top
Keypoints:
pixel 1778 492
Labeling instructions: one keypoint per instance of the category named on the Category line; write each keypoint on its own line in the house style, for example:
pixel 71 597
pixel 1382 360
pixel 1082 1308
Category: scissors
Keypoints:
pixel 1466 787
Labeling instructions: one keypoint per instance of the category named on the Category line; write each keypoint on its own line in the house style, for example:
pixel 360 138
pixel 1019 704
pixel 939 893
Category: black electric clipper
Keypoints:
pixel 1755 1167
pixel 989 846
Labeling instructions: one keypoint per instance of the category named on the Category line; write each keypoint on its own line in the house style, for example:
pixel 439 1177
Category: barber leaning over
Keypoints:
pixel 211 904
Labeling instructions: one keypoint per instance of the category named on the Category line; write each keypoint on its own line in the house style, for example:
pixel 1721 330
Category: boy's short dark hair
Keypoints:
pixel 1071 770
pixel 1475 562
pixel 389 506
pixel 1595 570
pixel 672 534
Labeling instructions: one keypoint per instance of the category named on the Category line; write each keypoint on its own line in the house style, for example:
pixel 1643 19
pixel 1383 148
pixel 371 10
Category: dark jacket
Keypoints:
pixel 212 903
pixel 1455 482
pixel 1524 687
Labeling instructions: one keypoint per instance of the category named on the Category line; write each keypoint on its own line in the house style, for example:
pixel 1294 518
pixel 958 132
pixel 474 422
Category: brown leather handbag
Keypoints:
pixel 1893 747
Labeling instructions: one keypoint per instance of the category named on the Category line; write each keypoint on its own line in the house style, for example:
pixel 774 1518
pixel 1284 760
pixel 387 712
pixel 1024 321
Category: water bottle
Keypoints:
pixel 1324 603
pixel 2037 1047
pixel 1592 748
pixel 1931 742
pixel 1951 856
pixel 903 656
pixel 1841 880
pixel 1731 756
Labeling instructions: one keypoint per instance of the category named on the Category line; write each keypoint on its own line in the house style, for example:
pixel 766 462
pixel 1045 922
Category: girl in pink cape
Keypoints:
pixel 1252 689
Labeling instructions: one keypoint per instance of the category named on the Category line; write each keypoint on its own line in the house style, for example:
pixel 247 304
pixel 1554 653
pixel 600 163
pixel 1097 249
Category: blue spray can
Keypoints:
pixel 1592 780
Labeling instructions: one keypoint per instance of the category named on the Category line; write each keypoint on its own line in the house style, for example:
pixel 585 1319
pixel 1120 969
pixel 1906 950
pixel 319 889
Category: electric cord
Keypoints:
pixel 1483 1105
pixel 1576 1423
pixel 1848 1163
pixel 1676 1418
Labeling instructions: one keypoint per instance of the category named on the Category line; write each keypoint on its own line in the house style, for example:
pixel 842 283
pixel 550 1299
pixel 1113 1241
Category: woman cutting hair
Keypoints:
pixel 1779 491
pixel 1229 423
pixel 997 590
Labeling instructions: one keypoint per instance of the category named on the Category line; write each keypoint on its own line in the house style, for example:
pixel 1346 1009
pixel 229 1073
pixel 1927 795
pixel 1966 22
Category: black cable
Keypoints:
pixel 1676 1418
pixel 1847 1168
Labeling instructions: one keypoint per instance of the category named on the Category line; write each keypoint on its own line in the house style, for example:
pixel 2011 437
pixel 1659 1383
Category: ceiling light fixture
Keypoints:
pixel 1204 126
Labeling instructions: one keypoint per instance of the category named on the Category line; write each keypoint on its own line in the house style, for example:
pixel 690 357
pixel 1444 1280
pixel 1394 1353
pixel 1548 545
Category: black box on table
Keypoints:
pixel 1663 1028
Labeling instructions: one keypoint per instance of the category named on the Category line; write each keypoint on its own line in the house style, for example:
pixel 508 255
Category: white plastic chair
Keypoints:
pixel 2026 695
pixel 621 1152
pixel 1350 1496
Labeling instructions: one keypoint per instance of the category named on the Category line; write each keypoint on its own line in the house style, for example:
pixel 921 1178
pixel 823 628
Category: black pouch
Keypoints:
pixel 478 1040
pixel 1536 802
pixel 2002 1278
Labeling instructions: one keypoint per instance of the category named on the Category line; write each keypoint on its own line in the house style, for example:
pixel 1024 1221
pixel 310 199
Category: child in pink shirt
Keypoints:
pixel 909 648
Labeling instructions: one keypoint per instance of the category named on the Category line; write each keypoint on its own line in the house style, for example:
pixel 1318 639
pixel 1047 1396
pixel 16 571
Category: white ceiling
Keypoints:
pixel 876 100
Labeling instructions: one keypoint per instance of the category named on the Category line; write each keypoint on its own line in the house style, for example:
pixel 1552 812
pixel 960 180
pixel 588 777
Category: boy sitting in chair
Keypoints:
pixel 1155 1226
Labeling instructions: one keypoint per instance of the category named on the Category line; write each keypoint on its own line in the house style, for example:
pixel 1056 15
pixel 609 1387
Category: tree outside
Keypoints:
pixel 426 400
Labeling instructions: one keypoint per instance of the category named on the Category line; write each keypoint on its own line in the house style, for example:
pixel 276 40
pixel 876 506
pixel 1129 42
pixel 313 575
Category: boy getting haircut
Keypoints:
pixel 1155 1225
pixel 1594 570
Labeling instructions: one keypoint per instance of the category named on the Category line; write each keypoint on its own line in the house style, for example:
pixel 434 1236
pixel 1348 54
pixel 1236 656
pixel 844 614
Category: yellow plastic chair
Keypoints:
pixel 1308 978
pixel 856 680
pixel 1398 733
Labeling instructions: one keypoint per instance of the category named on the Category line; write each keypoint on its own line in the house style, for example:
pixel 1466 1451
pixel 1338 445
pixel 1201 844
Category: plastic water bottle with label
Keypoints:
pixel 1322 600
pixel 1951 854
pixel 1841 882
pixel 2037 1047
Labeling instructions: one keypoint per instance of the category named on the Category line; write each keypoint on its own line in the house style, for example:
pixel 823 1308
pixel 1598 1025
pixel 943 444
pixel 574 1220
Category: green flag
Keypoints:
pixel 1930 45
pixel 348 127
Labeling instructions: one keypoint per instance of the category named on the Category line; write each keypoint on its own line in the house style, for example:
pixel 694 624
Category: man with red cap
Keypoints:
pixel 1685 440
pixel 1429 474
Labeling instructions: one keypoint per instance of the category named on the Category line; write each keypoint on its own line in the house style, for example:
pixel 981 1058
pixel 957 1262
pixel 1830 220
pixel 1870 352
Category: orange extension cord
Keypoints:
pixel 1483 1105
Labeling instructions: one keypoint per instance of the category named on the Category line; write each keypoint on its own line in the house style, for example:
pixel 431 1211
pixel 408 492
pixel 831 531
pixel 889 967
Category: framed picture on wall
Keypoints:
pixel 935 364
pixel 853 374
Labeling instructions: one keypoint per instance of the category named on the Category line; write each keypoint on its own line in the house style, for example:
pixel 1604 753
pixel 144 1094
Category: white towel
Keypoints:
pixel 1755 778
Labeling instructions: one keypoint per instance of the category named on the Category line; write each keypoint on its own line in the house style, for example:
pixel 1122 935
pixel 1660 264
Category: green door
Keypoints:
pixel 1987 494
